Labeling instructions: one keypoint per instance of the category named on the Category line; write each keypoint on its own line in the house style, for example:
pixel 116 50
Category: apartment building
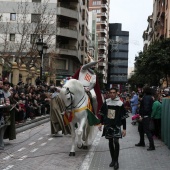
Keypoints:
pixel 158 23
pixel 93 38
pixel 72 36
pixel 101 7
pixel 62 24
pixel 118 55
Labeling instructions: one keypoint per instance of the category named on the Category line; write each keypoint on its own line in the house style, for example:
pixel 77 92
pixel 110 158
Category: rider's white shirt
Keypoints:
pixel 87 78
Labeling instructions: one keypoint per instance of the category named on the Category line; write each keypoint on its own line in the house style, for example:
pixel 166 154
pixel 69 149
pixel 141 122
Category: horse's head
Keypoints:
pixel 68 98
pixel 72 93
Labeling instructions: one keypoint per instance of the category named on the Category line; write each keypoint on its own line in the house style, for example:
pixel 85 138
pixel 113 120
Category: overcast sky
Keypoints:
pixel 133 15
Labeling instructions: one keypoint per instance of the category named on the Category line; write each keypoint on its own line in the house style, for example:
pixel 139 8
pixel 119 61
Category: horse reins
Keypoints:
pixel 71 104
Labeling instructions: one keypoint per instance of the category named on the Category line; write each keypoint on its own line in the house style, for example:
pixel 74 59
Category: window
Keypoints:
pixel 61 64
pixel 12 37
pixel 98 19
pixel 13 16
pixel 35 18
pixel 97 2
pixel 36 1
pixel 98 11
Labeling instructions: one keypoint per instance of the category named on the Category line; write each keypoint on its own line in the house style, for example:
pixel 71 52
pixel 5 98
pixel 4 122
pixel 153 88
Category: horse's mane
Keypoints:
pixel 74 86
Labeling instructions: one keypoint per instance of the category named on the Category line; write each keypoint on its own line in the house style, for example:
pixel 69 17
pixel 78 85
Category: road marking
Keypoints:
pixel 32 143
pixel 8 167
pixel 40 138
pixel 21 149
pixel 23 157
pixel 7 157
pixel 87 161
pixel 34 150
pixel 43 144
pixel 50 139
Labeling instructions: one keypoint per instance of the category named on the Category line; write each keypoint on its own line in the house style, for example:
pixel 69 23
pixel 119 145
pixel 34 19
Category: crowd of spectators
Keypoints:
pixel 28 101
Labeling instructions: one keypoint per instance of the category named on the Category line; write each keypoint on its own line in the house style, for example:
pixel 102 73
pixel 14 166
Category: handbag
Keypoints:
pixel 151 125
pixel 111 132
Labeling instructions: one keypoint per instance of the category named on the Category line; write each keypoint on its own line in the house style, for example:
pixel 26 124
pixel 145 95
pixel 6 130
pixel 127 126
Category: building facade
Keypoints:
pixel 101 8
pixel 72 36
pixel 158 23
pixel 93 38
pixel 62 24
pixel 118 55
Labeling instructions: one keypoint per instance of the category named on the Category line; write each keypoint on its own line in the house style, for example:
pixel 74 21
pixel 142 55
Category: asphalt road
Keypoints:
pixel 37 149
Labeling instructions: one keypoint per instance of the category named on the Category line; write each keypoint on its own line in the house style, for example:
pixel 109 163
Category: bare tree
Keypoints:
pixel 27 31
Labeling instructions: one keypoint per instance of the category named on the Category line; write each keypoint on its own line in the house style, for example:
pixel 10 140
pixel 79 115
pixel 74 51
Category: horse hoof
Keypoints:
pixel 72 154
pixel 81 147
pixel 85 147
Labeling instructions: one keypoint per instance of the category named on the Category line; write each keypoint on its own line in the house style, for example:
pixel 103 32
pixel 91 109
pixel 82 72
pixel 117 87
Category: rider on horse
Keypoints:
pixel 88 79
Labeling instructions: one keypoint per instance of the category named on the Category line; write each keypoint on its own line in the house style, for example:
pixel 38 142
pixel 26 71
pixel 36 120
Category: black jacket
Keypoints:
pixel 146 105
pixel 119 116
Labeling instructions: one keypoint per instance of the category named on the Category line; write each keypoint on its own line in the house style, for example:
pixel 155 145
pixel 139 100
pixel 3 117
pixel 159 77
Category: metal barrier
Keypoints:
pixel 165 121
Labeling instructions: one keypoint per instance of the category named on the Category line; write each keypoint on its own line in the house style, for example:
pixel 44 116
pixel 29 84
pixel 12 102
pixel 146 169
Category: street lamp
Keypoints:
pixel 42 49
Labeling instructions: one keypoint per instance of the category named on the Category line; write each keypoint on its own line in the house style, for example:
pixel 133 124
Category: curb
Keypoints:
pixel 31 124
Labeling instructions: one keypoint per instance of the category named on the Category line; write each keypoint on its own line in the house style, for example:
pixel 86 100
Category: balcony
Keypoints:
pixel 103 47
pixel 102 39
pixel 104 6
pixel 102 14
pixel 102 31
pixel 102 22
pixel 67 32
pixel 102 56
pixel 68 12
pixel 66 49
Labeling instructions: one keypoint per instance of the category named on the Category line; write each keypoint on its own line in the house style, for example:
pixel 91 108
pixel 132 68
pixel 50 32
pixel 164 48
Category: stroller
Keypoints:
pixel 135 119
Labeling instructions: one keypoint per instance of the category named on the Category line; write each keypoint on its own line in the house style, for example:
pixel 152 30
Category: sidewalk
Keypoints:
pixel 131 157
pixel 32 123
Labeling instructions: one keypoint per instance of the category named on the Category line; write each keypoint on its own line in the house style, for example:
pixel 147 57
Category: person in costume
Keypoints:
pixel 87 77
pixel 113 116
pixel 57 107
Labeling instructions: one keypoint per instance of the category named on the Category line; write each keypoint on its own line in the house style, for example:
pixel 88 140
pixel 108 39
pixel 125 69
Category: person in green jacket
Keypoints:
pixel 156 115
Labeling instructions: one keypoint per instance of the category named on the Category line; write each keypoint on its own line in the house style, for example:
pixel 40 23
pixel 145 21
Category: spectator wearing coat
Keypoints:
pixel 134 103
pixel 156 115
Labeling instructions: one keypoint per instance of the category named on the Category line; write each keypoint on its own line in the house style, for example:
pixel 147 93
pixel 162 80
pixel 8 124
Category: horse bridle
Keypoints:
pixel 70 106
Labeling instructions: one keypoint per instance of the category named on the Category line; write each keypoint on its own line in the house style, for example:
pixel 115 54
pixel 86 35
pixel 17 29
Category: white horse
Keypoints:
pixel 76 101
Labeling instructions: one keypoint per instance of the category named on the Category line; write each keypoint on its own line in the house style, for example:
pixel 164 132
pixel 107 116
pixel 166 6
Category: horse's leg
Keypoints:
pixel 80 132
pixel 86 135
pixel 73 136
